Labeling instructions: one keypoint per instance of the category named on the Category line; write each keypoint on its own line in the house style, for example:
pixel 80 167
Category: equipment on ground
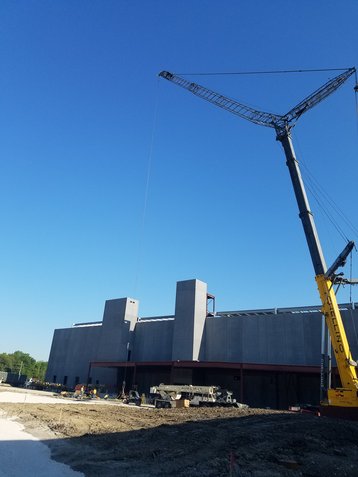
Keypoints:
pixel 306 409
pixel 344 399
pixel 132 397
pixel 166 395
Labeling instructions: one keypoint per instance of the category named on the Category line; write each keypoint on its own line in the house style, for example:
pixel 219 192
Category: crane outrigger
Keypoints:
pixel 341 401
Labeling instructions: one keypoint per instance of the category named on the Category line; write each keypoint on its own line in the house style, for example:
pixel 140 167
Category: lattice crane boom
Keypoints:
pixel 246 112
pixel 317 96
pixel 262 118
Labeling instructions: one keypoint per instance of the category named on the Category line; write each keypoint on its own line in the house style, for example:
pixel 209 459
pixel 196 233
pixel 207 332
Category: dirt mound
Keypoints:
pixel 132 441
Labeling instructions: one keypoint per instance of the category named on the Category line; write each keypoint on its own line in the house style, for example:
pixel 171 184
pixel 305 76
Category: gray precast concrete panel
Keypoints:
pixel 270 345
pixel 190 315
pixel 216 339
pixel 153 340
pixel 119 319
pixel 311 339
pixel 71 351
pixel 275 339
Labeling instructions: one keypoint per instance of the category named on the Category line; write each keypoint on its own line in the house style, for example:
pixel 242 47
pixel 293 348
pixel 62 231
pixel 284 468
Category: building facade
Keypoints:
pixel 268 358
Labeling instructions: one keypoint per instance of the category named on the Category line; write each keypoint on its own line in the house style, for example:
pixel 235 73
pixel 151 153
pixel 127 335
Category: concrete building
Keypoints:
pixel 269 358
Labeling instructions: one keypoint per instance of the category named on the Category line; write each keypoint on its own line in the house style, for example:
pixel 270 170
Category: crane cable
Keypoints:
pixel 146 193
pixel 326 213
pixel 356 96
pixel 336 226
pixel 315 189
pixel 318 192
pixel 350 299
pixel 325 195
pixel 350 275
pixel 269 72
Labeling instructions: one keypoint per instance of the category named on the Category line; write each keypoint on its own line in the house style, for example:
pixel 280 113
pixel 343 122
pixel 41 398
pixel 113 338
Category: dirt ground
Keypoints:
pixel 116 440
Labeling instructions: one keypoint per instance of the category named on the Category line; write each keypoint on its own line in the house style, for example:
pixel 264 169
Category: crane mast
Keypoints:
pixel 347 394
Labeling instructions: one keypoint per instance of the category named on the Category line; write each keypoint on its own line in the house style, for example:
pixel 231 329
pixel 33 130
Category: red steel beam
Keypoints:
pixel 208 364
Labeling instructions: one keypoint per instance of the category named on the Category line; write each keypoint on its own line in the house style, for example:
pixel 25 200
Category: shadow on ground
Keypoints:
pixel 255 446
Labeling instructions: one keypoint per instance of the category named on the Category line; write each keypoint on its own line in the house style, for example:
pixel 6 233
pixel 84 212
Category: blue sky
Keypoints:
pixel 116 183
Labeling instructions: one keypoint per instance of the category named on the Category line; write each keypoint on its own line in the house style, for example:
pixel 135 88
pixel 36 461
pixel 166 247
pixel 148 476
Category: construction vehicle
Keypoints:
pixel 341 401
pixel 166 395
pixel 132 397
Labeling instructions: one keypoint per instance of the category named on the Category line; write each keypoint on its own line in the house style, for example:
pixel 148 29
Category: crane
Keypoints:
pixel 345 396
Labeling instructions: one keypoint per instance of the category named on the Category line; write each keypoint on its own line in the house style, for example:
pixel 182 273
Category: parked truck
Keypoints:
pixel 168 395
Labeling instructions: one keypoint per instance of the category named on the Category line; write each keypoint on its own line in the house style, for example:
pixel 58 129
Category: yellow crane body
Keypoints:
pixel 347 395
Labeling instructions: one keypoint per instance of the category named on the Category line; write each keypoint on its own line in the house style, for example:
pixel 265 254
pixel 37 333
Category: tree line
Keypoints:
pixel 22 363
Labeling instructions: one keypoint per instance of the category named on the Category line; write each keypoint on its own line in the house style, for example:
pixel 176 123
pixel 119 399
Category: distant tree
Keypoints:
pixel 6 362
pixel 40 370
pixel 23 363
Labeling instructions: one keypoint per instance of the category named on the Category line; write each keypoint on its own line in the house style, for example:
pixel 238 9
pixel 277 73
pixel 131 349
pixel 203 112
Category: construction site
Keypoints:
pixel 179 246
pixel 276 358
pixel 206 392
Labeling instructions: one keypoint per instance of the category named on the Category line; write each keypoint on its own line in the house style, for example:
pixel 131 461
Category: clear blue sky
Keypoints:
pixel 79 93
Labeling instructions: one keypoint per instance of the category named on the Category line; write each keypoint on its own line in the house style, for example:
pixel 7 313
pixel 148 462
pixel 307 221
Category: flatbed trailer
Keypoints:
pixel 202 396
